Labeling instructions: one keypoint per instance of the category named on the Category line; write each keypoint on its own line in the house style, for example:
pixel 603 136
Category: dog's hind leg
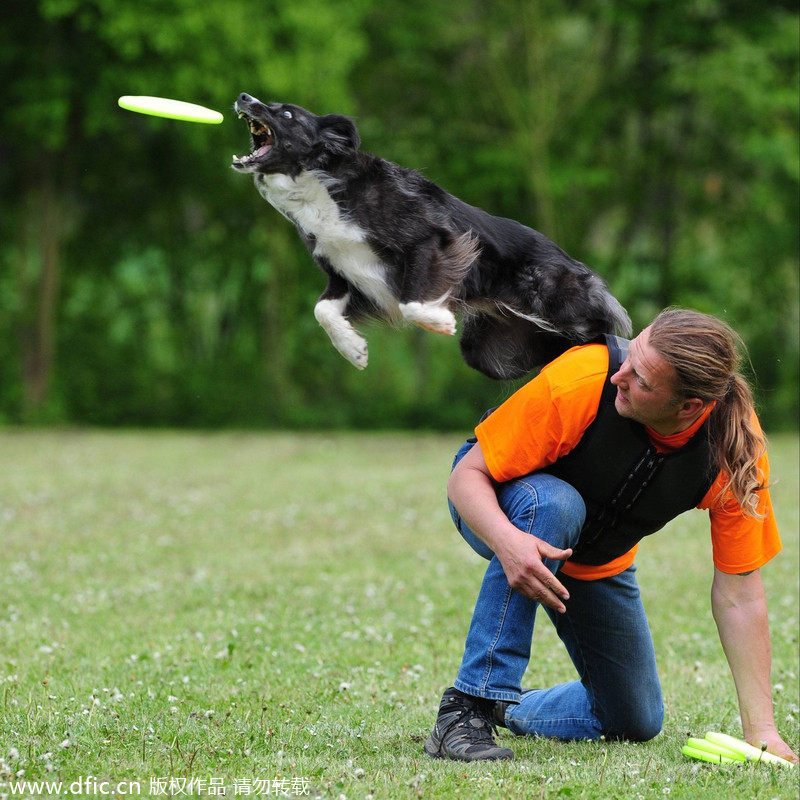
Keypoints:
pixel 330 313
pixel 434 271
pixel 435 316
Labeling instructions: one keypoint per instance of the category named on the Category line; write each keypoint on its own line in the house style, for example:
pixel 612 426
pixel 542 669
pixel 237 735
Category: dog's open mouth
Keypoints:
pixel 263 141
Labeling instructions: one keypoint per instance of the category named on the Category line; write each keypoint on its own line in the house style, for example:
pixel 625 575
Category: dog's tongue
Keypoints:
pixel 251 157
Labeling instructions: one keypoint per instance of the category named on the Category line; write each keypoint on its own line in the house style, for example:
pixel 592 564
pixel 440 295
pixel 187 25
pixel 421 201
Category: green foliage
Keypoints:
pixel 143 282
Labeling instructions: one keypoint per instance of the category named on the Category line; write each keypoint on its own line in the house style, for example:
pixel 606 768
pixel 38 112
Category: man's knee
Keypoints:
pixel 638 725
pixel 544 506
pixel 645 728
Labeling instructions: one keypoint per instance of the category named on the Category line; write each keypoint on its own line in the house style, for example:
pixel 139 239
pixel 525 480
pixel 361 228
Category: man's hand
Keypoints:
pixel 472 491
pixel 521 556
pixel 775 744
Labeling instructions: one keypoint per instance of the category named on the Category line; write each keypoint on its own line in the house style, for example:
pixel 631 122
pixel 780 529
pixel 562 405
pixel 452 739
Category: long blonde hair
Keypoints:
pixel 705 354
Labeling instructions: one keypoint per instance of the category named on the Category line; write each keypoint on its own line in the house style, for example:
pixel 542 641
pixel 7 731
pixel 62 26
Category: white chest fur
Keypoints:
pixel 306 201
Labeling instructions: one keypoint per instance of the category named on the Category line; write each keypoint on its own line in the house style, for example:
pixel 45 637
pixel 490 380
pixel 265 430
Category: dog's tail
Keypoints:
pixel 617 315
pixel 599 312
pixel 580 316
pixel 580 303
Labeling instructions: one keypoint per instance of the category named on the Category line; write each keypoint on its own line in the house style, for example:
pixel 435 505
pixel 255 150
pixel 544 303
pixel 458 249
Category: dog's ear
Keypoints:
pixel 338 134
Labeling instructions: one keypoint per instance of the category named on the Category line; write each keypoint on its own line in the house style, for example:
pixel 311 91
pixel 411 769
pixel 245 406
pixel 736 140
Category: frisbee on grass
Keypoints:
pixel 747 750
pixel 708 751
pixel 169 109
pixel 719 748
pixel 701 754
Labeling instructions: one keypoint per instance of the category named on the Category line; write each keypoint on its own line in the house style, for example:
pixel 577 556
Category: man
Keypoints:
pixel 607 444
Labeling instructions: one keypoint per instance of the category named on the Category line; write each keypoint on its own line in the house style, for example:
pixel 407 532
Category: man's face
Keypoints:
pixel 645 388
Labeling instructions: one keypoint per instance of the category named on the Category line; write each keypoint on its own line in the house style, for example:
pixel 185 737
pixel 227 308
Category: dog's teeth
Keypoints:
pixel 259 129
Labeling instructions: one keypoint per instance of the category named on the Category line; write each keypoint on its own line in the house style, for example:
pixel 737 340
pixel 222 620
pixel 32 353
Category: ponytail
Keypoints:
pixel 738 445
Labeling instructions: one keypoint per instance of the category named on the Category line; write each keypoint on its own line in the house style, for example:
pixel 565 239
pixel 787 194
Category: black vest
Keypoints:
pixel 630 490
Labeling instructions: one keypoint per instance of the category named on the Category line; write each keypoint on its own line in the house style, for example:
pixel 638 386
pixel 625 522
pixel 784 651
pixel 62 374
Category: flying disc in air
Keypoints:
pixel 170 109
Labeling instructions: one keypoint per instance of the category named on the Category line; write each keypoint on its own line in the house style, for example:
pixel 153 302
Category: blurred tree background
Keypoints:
pixel 143 282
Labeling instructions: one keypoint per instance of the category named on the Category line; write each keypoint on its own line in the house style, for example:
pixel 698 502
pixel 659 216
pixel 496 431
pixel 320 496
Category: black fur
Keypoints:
pixel 522 299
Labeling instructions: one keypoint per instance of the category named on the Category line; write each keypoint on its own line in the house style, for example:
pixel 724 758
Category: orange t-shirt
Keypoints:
pixel 547 418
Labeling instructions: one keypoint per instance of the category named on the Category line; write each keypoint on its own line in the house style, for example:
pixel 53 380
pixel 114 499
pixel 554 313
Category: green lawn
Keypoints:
pixel 281 612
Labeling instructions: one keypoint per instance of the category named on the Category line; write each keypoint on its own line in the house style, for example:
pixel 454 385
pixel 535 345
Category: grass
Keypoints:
pixel 281 612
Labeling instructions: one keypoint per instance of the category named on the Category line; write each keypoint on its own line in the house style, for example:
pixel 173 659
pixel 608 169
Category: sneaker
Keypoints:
pixel 463 730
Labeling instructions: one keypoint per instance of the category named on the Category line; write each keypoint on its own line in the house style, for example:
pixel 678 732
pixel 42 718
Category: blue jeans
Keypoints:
pixel 605 632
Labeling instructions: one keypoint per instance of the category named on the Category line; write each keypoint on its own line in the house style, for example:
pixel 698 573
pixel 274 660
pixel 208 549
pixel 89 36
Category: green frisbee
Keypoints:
pixel 705 755
pixel 169 109
pixel 746 750
pixel 716 751
pixel 719 748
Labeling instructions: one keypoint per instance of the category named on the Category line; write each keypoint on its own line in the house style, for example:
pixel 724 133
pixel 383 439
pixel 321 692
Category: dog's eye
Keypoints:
pixel 287 114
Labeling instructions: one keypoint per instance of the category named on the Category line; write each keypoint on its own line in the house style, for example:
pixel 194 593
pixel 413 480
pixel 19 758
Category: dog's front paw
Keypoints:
pixel 344 337
pixel 355 351
pixel 352 346
pixel 430 316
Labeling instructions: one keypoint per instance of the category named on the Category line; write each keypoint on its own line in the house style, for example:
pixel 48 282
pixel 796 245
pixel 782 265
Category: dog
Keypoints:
pixel 397 247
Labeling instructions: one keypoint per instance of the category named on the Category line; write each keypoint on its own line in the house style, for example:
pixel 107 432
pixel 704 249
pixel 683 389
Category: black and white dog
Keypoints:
pixel 397 247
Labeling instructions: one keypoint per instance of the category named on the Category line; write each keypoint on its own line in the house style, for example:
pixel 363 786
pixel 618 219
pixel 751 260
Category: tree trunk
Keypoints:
pixel 40 266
